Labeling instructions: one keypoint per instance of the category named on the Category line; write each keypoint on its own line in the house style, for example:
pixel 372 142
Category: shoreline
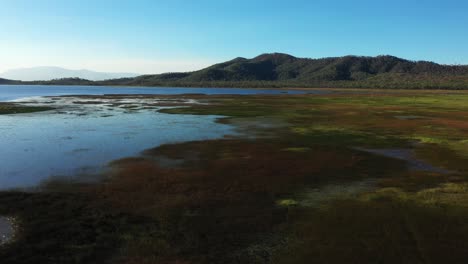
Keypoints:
pixel 299 87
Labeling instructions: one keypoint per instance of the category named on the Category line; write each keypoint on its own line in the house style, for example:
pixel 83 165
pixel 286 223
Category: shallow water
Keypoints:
pixel 80 139
pixel 407 155
pixel 13 92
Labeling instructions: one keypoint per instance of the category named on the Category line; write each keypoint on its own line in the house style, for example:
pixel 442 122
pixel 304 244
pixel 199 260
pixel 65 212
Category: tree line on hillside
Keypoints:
pixel 278 70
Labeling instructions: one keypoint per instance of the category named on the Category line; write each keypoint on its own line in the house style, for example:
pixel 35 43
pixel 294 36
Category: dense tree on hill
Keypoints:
pixel 5 81
pixel 283 70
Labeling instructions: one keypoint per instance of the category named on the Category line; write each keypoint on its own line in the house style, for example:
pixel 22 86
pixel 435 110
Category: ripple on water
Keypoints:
pixel 6 229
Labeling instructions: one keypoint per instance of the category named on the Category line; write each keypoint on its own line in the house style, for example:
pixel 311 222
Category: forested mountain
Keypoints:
pixel 6 81
pixel 282 70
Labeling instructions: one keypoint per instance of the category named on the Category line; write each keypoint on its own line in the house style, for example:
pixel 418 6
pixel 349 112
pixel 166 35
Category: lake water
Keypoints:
pixel 79 139
pixel 12 92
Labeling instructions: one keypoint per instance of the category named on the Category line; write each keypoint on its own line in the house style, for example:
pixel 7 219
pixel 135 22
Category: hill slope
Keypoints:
pixel 6 81
pixel 280 70
pixel 283 70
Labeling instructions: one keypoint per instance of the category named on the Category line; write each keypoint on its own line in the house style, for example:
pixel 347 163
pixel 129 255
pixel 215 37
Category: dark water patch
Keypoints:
pixel 88 102
pixel 407 155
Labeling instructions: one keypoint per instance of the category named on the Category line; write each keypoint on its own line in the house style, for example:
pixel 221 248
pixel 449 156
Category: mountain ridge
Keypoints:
pixel 284 70
pixel 271 70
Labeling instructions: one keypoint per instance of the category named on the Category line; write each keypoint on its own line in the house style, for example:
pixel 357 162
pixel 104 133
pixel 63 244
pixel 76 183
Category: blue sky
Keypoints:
pixel 152 36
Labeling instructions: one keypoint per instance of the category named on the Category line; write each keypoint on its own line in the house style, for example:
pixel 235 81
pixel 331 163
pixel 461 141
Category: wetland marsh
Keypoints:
pixel 336 177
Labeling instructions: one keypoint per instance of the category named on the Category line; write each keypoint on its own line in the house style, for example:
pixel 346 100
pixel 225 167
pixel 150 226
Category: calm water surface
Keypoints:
pixel 78 140
pixel 12 92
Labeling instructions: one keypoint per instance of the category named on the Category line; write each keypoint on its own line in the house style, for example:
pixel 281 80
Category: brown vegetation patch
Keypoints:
pixel 459 124
pixel 226 198
pixel 384 230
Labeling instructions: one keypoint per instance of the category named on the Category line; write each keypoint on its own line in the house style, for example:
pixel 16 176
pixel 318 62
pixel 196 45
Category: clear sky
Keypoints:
pixel 152 36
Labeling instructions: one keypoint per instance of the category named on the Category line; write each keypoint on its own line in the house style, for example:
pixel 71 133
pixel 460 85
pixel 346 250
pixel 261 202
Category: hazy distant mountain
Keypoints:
pixel 50 73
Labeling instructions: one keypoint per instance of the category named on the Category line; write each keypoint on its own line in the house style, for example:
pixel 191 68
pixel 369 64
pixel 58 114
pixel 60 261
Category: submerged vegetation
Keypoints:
pixel 303 181
pixel 11 108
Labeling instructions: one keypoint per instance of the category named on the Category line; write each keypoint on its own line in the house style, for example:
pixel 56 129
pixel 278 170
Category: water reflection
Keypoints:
pixel 80 139
pixel 12 92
